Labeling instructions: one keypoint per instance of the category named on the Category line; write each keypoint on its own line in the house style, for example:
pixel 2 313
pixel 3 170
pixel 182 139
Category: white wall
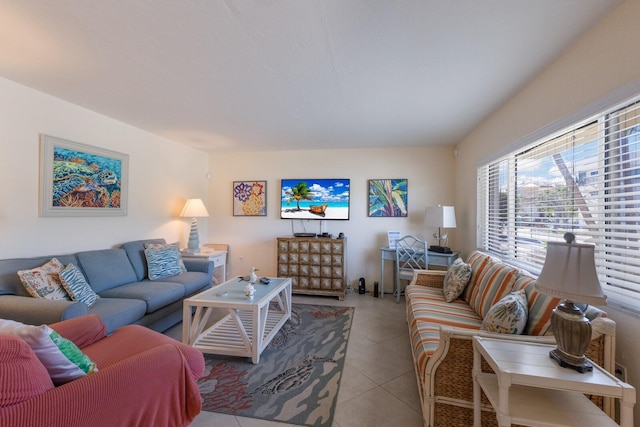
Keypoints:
pixel 604 63
pixel 430 182
pixel 162 175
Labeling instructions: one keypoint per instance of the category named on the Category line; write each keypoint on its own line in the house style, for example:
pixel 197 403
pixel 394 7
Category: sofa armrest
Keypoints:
pixel 430 278
pixel 129 392
pixel 202 265
pixel 82 331
pixel 39 311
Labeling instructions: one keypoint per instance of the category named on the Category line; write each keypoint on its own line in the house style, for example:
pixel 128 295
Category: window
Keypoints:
pixel 584 179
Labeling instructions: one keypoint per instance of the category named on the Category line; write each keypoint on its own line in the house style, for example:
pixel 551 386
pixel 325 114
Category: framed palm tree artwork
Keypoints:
pixel 388 197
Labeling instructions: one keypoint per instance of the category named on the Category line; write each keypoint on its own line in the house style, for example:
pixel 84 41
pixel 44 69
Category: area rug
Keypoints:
pixel 298 376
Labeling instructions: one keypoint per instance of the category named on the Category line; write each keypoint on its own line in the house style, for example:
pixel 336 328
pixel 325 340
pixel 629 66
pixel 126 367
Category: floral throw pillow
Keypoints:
pixel 44 282
pixel 456 280
pixel 63 360
pixel 507 316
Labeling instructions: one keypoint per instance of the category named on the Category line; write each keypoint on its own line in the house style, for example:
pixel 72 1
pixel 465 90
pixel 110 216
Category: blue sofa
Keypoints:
pixel 119 277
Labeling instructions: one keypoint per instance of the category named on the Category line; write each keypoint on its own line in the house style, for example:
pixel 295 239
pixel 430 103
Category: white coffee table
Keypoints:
pixel 249 324
pixel 529 388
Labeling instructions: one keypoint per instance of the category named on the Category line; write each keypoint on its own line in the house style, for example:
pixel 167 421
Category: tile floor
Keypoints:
pixel 378 385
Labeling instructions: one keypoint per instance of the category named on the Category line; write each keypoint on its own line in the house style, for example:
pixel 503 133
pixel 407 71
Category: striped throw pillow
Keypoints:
pixel 163 262
pixel 76 285
pixel 540 306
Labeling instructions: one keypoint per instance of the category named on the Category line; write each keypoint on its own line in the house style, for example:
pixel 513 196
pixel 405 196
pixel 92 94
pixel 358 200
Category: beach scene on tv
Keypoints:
pixel 315 199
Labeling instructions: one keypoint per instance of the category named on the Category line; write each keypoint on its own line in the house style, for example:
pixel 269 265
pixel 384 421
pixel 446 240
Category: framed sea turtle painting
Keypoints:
pixel 81 180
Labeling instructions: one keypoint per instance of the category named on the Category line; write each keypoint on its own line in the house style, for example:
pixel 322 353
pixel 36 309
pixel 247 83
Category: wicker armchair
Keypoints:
pixel 445 382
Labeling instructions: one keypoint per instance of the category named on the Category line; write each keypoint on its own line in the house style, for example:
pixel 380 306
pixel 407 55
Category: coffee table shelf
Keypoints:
pixel 249 324
pixel 224 333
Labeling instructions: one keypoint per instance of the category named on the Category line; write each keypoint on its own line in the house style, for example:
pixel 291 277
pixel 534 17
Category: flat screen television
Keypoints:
pixel 314 199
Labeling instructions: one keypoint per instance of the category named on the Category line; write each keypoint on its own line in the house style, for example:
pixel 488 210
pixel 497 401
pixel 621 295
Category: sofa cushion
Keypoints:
pixel 540 307
pixel 10 283
pixel 193 281
pixel 478 262
pixel 118 312
pixel 135 252
pixel 22 375
pixel 427 311
pixel 63 360
pixel 456 280
pixel 495 281
pixel 155 294
pixel 106 268
pixel 76 285
pixel 163 262
pixel 507 316
pixel 44 282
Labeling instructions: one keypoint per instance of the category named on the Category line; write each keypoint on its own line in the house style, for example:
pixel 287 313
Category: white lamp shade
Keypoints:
pixel 440 216
pixel 569 272
pixel 194 208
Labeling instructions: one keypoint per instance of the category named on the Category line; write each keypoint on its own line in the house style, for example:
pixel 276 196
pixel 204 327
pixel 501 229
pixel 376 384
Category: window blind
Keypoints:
pixel 584 179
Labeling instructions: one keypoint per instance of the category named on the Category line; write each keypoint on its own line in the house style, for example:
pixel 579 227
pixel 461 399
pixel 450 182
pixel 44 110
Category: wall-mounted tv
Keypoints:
pixel 314 199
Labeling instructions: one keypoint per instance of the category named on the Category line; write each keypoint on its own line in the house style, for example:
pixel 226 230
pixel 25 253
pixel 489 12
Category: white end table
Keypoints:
pixel 219 258
pixel 529 388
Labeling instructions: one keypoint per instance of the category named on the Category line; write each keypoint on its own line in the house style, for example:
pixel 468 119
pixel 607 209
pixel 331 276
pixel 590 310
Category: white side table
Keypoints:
pixel 529 388
pixel 219 259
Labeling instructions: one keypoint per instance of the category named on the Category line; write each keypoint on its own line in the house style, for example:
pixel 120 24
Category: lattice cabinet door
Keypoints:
pixel 316 266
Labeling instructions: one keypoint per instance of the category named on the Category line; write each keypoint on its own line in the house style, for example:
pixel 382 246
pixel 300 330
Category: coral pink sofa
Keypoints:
pixel 144 378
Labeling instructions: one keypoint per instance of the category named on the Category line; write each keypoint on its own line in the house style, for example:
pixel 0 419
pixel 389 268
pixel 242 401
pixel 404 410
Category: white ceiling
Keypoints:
pixel 241 75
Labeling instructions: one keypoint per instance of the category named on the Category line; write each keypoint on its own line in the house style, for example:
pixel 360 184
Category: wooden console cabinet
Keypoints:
pixel 316 266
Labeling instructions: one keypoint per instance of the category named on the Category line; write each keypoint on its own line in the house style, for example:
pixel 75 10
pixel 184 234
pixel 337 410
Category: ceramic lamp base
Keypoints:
pixel 194 242
pixel 573 333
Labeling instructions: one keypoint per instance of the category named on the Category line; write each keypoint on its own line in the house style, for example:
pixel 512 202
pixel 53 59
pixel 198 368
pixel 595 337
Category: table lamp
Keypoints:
pixel 569 272
pixel 194 208
pixel 441 217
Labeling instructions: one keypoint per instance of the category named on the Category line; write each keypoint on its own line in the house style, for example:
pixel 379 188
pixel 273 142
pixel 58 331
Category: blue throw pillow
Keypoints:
pixel 76 285
pixel 163 262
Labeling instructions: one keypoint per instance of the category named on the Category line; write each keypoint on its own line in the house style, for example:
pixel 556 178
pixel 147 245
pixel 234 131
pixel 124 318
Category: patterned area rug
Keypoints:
pixel 297 378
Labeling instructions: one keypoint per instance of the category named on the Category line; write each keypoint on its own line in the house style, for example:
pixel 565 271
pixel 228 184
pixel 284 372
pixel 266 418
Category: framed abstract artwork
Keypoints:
pixel 388 197
pixel 81 180
pixel 249 198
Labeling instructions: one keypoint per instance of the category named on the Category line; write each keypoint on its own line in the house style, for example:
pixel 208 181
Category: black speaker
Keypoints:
pixel 375 289
pixel 361 287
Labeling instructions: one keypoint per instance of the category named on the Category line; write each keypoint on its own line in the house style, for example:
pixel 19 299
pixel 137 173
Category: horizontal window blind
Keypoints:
pixel 585 179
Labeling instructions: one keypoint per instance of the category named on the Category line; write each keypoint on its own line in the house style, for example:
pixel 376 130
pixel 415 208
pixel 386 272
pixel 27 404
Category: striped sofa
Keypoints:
pixel 441 333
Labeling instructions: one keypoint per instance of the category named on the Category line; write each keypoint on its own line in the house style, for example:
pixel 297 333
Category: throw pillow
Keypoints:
pixel 76 285
pixel 44 282
pixel 455 280
pixel 163 262
pixel 164 245
pixel 63 359
pixel 22 375
pixel 507 316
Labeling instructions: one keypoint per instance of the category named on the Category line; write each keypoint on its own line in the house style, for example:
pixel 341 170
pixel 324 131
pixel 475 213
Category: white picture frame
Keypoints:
pixel 81 180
